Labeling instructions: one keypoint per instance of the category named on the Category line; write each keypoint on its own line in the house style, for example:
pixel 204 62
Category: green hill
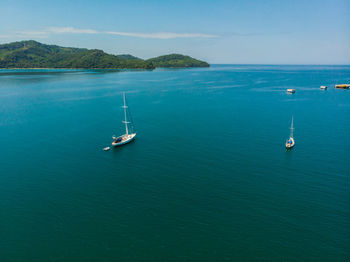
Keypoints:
pixel 128 57
pixel 32 54
pixel 177 60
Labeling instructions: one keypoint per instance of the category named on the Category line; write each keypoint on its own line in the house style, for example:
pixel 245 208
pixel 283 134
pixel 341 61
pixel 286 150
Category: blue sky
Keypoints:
pixel 248 32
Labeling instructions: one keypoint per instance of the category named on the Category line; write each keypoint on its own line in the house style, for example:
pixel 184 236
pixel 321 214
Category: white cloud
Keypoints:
pixel 53 30
pixel 163 35
pixel 63 30
pixel 35 34
pixel 71 30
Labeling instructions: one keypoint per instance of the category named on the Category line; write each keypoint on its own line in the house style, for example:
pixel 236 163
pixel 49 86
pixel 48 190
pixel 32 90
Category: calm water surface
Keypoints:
pixel 207 179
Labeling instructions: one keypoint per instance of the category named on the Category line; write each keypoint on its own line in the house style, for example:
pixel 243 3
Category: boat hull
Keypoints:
pixel 124 140
pixel 290 146
pixel 342 86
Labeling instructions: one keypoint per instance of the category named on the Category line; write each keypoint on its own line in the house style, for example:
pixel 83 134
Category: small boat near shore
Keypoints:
pixel 323 87
pixel 342 86
pixel 290 90
pixel 290 142
pixel 129 128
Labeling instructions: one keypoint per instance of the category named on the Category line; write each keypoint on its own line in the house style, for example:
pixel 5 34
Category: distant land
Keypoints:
pixel 32 54
pixel 176 60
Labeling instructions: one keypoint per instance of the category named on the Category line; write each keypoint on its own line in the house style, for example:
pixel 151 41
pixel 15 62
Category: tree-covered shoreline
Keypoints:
pixel 32 54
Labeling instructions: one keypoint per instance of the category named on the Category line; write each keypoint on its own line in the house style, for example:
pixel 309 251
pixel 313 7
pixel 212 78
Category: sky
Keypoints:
pixel 217 31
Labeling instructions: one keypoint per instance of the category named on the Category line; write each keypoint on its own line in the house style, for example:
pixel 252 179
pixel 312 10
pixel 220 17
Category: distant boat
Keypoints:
pixel 106 148
pixel 290 142
pixel 290 90
pixel 129 128
pixel 323 87
pixel 342 86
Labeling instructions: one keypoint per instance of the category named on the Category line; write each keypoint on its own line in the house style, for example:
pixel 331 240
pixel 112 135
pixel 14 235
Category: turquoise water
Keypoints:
pixel 207 179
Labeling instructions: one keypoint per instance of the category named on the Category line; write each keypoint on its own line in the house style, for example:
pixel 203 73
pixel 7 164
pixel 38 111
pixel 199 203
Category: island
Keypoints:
pixel 176 60
pixel 32 54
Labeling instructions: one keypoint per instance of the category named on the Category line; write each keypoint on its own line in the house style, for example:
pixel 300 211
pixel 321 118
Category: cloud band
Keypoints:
pixel 71 30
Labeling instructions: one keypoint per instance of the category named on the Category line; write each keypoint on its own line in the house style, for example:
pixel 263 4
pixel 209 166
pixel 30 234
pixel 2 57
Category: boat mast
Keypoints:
pixel 125 122
pixel 291 129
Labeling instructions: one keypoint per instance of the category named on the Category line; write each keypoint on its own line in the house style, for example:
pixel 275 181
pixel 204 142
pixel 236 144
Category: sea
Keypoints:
pixel 207 178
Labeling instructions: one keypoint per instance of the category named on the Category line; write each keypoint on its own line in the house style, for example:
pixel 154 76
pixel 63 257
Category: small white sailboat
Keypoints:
pixel 290 142
pixel 323 87
pixel 290 90
pixel 129 128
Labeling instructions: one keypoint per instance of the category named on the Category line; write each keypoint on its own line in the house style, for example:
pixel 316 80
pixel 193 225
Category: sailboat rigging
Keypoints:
pixel 290 142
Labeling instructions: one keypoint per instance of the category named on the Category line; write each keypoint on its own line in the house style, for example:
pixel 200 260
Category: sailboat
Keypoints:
pixel 290 142
pixel 129 129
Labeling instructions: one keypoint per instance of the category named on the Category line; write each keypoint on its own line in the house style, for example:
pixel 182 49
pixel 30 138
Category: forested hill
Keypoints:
pixel 128 57
pixel 32 54
pixel 176 60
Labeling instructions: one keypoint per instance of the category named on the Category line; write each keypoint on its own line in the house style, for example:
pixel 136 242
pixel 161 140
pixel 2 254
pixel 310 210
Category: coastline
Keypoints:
pixel 30 54
pixel 55 68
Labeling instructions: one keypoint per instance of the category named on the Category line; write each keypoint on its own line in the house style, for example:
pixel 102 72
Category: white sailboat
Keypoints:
pixel 290 142
pixel 129 132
